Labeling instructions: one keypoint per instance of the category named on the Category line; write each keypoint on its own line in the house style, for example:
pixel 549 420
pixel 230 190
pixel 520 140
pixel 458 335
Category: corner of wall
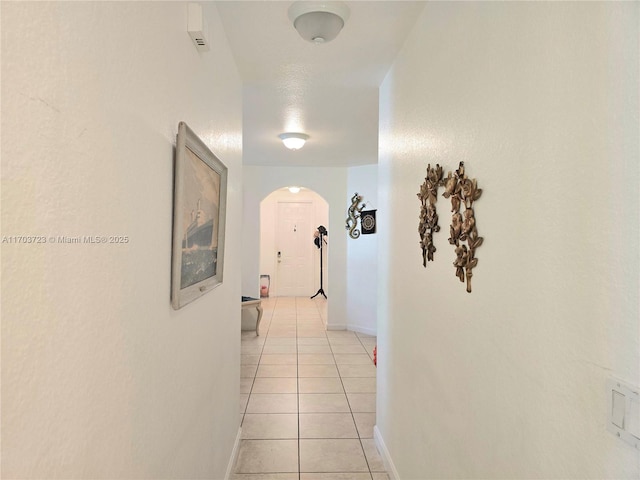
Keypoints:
pixel 362 254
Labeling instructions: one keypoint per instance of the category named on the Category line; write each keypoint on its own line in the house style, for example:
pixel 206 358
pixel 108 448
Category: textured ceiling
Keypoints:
pixel 329 92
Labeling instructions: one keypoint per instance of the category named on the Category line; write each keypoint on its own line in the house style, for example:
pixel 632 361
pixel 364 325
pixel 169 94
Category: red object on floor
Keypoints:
pixel 375 355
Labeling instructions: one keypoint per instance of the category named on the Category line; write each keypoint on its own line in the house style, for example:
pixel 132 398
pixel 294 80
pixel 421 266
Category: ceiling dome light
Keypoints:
pixel 294 189
pixel 293 141
pixel 318 22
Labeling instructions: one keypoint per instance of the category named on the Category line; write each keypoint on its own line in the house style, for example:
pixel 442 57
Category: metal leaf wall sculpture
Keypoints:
pixel 462 191
pixel 428 196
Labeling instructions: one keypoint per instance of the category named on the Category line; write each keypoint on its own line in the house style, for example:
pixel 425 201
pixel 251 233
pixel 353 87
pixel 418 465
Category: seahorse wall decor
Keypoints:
pixel 462 191
pixel 353 213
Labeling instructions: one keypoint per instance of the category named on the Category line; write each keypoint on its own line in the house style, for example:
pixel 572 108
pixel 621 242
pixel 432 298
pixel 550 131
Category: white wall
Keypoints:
pixel 362 256
pixel 541 102
pixel 330 184
pixel 100 377
pixel 268 236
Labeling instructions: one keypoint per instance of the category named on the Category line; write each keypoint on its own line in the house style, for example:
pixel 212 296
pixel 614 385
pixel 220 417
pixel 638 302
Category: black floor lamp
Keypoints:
pixel 319 241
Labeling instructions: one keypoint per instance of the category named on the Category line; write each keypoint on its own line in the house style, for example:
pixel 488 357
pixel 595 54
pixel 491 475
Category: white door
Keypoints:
pixel 294 242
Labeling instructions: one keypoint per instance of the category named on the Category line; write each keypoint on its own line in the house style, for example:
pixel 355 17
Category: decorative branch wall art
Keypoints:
pixel 462 191
pixel 428 196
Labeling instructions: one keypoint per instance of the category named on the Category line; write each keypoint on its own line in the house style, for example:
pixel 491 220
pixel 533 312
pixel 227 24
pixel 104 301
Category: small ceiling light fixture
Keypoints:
pixel 293 141
pixel 294 189
pixel 318 22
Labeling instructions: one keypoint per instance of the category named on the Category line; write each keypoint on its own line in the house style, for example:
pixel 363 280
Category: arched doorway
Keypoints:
pixel 288 254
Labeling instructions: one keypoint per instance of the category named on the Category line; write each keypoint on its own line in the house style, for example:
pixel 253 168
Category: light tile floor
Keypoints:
pixel 308 398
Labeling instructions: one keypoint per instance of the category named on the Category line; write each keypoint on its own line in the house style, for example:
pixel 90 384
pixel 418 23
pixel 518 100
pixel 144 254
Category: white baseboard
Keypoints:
pixel 384 453
pixel 353 328
pixel 334 326
pixel 365 330
pixel 234 455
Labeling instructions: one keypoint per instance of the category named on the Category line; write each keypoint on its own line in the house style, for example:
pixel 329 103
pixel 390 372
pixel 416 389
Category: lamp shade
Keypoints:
pixel 293 141
pixel 318 22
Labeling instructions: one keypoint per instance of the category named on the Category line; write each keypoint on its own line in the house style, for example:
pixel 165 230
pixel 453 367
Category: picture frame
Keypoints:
pixel 199 213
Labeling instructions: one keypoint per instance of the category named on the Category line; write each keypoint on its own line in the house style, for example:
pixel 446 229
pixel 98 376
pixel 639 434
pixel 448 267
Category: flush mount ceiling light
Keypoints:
pixel 293 141
pixel 318 22
pixel 294 189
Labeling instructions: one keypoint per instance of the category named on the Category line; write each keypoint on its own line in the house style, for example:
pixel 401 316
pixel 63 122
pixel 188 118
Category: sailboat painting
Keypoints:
pixel 199 208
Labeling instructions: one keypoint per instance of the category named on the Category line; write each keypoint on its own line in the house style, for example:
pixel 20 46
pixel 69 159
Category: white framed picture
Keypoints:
pixel 199 206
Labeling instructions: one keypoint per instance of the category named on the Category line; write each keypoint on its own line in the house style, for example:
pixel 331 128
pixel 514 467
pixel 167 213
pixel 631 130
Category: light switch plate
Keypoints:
pixel 618 409
pixel 623 417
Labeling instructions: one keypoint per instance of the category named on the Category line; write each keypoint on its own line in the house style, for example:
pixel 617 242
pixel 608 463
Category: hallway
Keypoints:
pixel 307 398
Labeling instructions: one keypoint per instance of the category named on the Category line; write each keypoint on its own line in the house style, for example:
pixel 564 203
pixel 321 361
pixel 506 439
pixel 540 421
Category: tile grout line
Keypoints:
pixel 255 375
pixel 298 392
pixel 349 403
pixel 354 419
pixel 244 413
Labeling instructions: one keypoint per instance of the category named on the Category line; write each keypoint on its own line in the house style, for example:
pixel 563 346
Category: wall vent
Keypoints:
pixel 197 27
